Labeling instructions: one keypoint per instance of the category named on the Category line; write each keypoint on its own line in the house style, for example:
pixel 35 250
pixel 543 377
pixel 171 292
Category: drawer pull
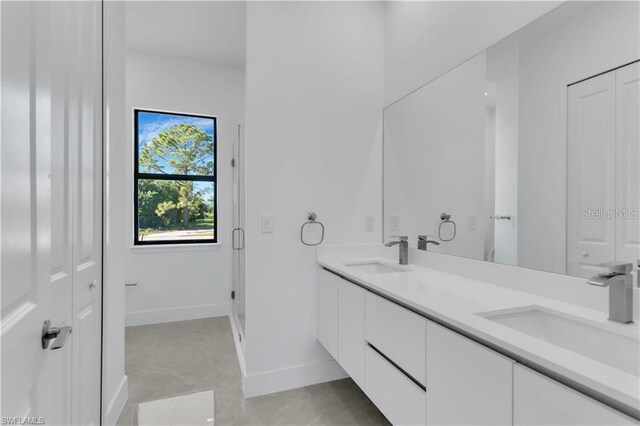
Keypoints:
pixel 390 361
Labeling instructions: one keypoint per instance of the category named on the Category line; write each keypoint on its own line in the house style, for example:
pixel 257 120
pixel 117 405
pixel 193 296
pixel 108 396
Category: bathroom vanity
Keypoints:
pixel 429 347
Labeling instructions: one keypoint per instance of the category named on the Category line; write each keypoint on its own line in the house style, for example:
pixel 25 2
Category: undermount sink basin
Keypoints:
pixel 620 350
pixel 374 267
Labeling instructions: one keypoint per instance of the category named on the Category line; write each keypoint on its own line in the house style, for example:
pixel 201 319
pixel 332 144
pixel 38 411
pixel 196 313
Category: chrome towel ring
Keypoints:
pixel 311 220
pixel 446 218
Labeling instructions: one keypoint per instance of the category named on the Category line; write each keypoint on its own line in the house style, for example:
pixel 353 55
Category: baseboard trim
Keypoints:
pixel 238 344
pixel 291 378
pixel 117 403
pixel 177 314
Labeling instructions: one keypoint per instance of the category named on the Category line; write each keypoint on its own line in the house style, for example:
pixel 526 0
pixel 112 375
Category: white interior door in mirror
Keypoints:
pixel 628 163
pixel 603 183
pixel 591 174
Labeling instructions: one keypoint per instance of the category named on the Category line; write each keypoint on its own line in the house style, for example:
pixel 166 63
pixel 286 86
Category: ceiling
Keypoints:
pixel 201 30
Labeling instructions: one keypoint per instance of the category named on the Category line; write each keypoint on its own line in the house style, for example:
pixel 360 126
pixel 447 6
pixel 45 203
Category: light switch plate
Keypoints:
pixel 267 224
pixel 369 223
pixel 394 222
pixel 473 222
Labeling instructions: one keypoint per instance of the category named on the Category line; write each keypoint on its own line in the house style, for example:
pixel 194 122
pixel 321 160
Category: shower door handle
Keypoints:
pixel 233 238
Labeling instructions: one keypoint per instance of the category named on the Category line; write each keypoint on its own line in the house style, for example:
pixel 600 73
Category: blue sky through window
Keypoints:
pixel 150 124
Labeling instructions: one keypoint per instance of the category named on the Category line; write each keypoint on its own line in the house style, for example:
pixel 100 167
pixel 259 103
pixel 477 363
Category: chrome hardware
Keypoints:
pixel 498 217
pixel 446 218
pixel 423 240
pixel 311 220
pixel 403 243
pixel 92 285
pixel 60 334
pixel 233 239
pixel 620 282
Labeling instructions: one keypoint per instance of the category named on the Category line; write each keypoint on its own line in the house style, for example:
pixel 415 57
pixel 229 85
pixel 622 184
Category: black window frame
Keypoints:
pixel 137 176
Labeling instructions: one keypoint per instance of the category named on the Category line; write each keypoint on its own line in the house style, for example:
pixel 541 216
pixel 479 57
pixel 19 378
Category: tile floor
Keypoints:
pixel 164 360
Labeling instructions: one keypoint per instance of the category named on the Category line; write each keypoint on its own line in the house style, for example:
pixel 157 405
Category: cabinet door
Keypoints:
pixel 327 311
pixel 396 332
pixel 466 382
pixel 539 400
pixel 398 397
pixel 351 341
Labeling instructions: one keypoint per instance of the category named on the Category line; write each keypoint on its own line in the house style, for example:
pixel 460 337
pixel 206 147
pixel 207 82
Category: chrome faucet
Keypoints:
pixel 403 242
pixel 423 240
pixel 620 282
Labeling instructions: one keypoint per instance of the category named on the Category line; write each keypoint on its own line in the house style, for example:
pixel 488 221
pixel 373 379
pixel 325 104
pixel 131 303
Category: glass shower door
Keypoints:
pixel 238 237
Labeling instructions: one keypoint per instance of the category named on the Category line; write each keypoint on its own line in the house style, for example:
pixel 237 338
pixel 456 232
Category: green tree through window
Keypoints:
pixel 175 178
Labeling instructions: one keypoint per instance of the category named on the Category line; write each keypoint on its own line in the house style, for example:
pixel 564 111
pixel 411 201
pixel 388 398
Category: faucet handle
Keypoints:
pixel 400 237
pixel 618 268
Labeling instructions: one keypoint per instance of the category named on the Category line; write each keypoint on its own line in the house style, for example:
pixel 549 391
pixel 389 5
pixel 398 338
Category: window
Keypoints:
pixel 174 178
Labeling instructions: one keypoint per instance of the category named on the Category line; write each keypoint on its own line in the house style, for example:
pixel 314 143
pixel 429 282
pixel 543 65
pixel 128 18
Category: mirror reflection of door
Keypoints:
pixel 602 176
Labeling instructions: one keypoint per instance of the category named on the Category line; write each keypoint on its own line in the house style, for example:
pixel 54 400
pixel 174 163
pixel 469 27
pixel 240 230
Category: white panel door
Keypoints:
pixel 627 163
pixel 36 283
pixel 85 133
pixel 591 175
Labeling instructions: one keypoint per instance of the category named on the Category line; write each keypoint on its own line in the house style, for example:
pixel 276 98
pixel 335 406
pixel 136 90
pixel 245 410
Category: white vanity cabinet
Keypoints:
pixel 327 311
pixel 539 400
pixel 419 372
pixel 351 342
pixel 467 383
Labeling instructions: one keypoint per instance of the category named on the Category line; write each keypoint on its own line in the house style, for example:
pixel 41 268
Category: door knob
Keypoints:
pixel 60 334
pixel 92 285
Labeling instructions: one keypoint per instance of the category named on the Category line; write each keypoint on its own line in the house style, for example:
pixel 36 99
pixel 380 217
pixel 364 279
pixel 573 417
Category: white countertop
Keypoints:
pixel 455 301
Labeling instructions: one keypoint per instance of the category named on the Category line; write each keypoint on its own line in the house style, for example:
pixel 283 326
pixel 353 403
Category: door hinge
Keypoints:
pixel 233 162
pixel 240 337
pixel 233 295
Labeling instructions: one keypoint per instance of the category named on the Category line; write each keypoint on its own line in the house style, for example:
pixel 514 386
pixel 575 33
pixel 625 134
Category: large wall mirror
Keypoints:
pixel 526 154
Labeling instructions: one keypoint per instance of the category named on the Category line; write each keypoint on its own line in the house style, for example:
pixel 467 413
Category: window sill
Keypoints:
pixel 172 248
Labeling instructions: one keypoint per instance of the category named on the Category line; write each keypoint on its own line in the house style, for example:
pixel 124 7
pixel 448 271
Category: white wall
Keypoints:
pixel 602 37
pixel 114 381
pixel 314 102
pixel 177 283
pixel 425 39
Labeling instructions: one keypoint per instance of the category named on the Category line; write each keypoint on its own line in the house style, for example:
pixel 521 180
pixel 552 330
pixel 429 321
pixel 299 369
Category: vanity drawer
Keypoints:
pixel 401 400
pixel 398 333
pixel 540 400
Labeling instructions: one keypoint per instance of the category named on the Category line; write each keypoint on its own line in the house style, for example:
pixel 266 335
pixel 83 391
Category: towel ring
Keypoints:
pixel 446 218
pixel 311 219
